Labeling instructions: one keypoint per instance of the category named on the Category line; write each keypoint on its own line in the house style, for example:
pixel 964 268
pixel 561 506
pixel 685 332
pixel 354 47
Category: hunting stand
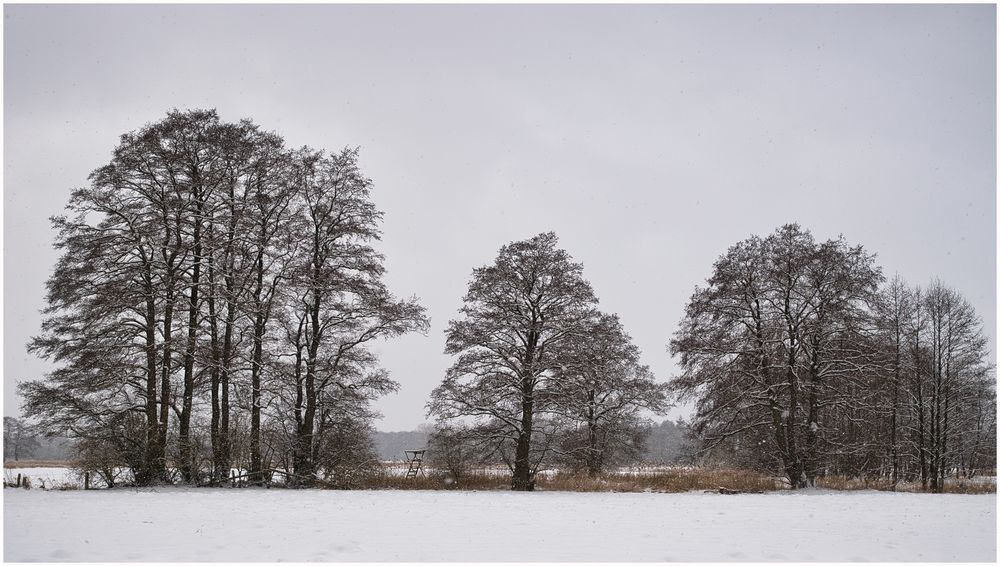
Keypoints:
pixel 415 459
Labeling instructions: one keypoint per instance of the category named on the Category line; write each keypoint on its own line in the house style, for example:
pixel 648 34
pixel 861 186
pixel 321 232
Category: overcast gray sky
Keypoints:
pixel 650 138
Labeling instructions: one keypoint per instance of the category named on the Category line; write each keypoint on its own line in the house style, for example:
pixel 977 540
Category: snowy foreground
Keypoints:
pixel 175 524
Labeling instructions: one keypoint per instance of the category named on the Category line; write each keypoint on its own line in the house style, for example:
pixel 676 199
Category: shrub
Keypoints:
pixel 100 458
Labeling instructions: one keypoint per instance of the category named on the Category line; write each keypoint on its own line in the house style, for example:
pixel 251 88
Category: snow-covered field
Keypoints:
pixel 190 524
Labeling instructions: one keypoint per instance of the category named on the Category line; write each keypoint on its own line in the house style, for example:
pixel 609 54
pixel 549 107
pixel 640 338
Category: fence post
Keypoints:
pixel 18 480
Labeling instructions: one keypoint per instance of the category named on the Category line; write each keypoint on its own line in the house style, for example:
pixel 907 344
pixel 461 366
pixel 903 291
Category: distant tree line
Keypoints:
pixel 213 305
pixel 801 358
pixel 20 440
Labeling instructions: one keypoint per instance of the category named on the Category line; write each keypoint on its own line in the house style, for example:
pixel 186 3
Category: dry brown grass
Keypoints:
pixel 970 487
pixel 845 483
pixel 674 480
pixel 36 464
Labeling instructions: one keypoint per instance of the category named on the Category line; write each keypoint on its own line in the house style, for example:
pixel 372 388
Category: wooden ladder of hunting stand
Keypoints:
pixel 415 459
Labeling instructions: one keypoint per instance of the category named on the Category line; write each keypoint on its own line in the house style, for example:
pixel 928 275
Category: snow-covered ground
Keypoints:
pixel 178 524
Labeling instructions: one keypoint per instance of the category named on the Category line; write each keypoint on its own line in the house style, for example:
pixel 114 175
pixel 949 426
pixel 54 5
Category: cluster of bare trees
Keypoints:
pixel 212 307
pixel 217 294
pixel 800 358
pixel 540 372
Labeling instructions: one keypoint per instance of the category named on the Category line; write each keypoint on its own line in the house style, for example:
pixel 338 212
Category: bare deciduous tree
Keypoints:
pixel 521 366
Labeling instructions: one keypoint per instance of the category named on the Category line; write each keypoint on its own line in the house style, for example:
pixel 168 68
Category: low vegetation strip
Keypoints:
pixel 656 479
pixel 662 481
pixel 676 480
pixel 982 484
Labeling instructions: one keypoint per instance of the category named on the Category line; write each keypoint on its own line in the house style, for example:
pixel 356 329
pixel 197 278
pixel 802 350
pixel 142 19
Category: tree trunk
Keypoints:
pixel 893 426
pixel 793 466
pixel 153 462
pixel 299 454
pixel 256 464
pixel 225 442
pixel 304 465
pixel 259 322
pixel 304 461
pixel 165 369
pixel 593 453
pixel 223 455
pixel 522 480
pixel 184 430
pixel 812 426
pixel 216 353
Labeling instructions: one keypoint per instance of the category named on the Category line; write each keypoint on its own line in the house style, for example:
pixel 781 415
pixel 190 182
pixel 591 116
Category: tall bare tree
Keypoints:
pixel 338 301
pixel 519 316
